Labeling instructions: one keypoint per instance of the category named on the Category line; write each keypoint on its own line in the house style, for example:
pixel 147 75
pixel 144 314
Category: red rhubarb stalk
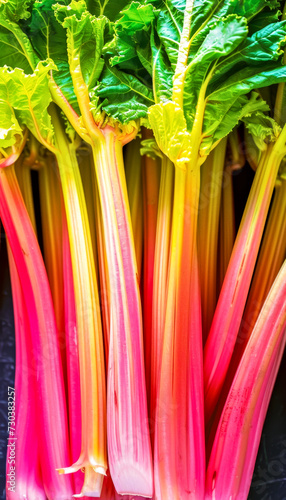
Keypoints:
pixel 221 340
pixel 24 435
pixel 52 418
pixel 237 438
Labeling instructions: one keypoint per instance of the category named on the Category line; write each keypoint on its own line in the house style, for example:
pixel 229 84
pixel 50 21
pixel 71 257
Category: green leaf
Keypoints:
pixel 262 128
pixel 29 97
pixel 250 8
pixel 161 72
pixel 205 15
pixel 144 52
pixel 247 79
pixel 221 117
pixel 108 8
pixel 264 45
pixel 85 39
pixel 203 11
pixel 16 49
pixel 127 98
pixel 49 41
pixel 222 39
pixel 46 34
pixel 136 18
pixel 14 10
pixel 170 130
pixel 9 127
pixel 169 27
pixel 149 147
pixel 263 19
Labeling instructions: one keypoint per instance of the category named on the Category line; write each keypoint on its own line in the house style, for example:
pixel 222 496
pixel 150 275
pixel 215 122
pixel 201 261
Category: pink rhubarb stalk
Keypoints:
pixel 270 259
pixel 237 438
pixel 127 425
pixel 72 356
pixel 222 337
pixel 52 418
pixel 24 431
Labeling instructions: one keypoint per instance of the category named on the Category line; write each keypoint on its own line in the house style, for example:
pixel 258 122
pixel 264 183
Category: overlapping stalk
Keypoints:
pixel 161 264
pixel 208 224
pixel 127 433
pixel 234 161
pixel 133 170
pixel 268 264
pixel 237 438
pixel 53 440
pixel 91 358
pixel 29 482
pixel 229 310
pixel 50 202
pixel 151 180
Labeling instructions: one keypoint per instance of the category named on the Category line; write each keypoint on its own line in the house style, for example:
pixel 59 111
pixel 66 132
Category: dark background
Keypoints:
pixel 269 480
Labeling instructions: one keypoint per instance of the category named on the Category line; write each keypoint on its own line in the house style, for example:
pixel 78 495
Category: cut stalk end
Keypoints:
pixel 130 480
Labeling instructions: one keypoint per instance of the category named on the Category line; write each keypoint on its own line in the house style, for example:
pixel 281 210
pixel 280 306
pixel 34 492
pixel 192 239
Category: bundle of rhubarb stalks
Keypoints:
pixel 149 328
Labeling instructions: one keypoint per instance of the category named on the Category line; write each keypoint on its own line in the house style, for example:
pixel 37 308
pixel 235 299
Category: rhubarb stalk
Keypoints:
pixel 229 310
pixel 208 224
pixel 161 263
pixel 52 410
pixel 29 483
pixel 237 438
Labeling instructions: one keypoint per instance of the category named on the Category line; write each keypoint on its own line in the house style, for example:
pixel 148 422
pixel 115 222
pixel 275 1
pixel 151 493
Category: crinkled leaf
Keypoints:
pixel 85 39
pixel 9 126
pixel 126 97
pixel 221 117
pixel 149 147
pixel 170 130
pixel 46 34
pixel 262 128
pixel 49 40
pixel 136 18
pixel 203 11
pixel 264 45
pixel 223 38
pixel 16 50
pixel 15 9
pixel 120 50
pixel 30 97
pixel 247 79
pixel 208 12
